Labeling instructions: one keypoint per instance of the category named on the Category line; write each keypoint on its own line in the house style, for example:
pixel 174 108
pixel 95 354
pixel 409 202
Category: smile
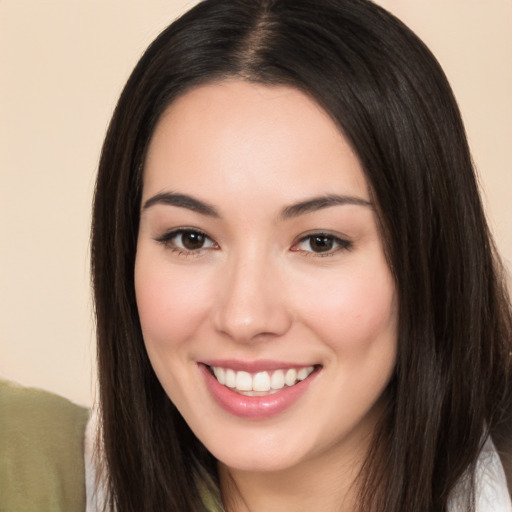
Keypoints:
pixel 260 383
pixel 257 390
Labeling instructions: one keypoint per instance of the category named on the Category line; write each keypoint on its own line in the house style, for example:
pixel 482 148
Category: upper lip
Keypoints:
pixel 254 366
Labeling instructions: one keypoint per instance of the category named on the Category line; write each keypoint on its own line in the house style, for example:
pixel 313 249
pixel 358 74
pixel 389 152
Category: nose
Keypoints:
pixel 252 302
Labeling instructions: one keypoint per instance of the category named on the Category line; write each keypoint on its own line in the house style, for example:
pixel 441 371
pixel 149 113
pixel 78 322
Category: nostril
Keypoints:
pixel 250 322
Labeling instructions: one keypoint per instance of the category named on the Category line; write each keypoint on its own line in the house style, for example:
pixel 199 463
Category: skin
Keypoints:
pixel 257 289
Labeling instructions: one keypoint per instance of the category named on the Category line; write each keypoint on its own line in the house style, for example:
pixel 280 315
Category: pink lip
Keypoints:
pixel 254 407
pixel 253 366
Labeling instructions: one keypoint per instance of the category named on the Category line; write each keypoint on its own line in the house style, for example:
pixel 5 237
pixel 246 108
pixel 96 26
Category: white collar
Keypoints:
pixel 491 485
pixel 491 492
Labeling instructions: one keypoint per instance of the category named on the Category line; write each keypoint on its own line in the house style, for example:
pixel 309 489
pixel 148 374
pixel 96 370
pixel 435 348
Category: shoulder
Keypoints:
pixel 491 490
pixel 96 473
pixel 41 451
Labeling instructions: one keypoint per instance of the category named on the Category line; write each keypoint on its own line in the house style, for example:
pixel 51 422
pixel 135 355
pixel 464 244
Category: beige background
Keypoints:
pixel 62 66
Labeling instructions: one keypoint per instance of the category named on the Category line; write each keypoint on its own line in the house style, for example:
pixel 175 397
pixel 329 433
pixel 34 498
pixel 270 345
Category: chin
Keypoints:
pixel 259 463
pixel 261 454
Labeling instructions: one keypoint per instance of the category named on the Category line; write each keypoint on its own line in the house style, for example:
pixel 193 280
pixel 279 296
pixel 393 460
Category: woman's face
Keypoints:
pixel 259 260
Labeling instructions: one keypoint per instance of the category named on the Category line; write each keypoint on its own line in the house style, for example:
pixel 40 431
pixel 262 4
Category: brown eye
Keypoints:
pixel 192 240
pixel 321 243
pixel 187 240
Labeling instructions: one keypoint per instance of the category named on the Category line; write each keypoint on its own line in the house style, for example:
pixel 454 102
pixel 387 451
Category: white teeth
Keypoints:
pixel 261 381
pixel 220 374
pixel 291 377
pixel 243 381
pixel 230 377
pixel 302 374
pixel 277 380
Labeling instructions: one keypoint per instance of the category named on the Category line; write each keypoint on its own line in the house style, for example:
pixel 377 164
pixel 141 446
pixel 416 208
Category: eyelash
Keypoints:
pixel 168 238
pixel 339 244
pixel 168 241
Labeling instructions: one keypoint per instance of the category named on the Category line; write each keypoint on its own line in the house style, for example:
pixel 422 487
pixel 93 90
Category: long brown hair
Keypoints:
pixel 390 98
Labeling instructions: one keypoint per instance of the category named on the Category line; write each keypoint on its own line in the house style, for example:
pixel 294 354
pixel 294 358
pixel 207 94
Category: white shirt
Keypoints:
pixel 491 490
pixel 491 485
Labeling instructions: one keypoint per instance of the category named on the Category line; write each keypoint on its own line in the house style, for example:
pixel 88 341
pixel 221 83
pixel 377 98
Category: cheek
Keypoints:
pixel 354 310
pixel 171 304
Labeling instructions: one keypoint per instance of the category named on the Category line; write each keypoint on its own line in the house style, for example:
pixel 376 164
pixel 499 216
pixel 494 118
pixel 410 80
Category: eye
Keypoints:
pixel 187 240
pixel 321 243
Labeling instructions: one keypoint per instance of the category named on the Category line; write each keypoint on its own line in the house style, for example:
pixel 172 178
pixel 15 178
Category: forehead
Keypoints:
pixel 236 133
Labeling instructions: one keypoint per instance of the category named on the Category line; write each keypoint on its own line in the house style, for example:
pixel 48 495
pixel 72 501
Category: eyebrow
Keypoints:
pixel 319 203
pixel 182 201
pixel 294 210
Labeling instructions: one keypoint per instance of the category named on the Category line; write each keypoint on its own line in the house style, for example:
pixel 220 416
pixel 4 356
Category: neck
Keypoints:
pixel 326 482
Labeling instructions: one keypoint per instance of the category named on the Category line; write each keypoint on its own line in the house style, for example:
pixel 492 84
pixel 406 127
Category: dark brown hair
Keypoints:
pixel 390 98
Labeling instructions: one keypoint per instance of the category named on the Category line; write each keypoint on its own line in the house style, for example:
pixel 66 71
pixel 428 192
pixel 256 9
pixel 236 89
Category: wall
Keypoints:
pixel 62 66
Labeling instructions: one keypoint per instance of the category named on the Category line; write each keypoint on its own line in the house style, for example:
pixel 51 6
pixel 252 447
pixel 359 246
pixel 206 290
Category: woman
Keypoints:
pixel 299 304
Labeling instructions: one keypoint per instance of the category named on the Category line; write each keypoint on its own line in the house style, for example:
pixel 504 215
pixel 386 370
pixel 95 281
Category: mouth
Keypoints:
pixel 260 383
pixel 257 390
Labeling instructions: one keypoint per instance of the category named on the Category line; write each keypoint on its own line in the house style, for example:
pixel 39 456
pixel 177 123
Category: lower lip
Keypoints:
pixel 254 407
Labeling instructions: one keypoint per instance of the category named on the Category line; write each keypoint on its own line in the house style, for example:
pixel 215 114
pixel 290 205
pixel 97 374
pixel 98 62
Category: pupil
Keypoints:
pixel 192 240
pixel 321 243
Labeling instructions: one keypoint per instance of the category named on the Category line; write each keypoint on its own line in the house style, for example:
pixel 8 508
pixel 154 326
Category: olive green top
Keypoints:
pixel 41 451
pixel 211 499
